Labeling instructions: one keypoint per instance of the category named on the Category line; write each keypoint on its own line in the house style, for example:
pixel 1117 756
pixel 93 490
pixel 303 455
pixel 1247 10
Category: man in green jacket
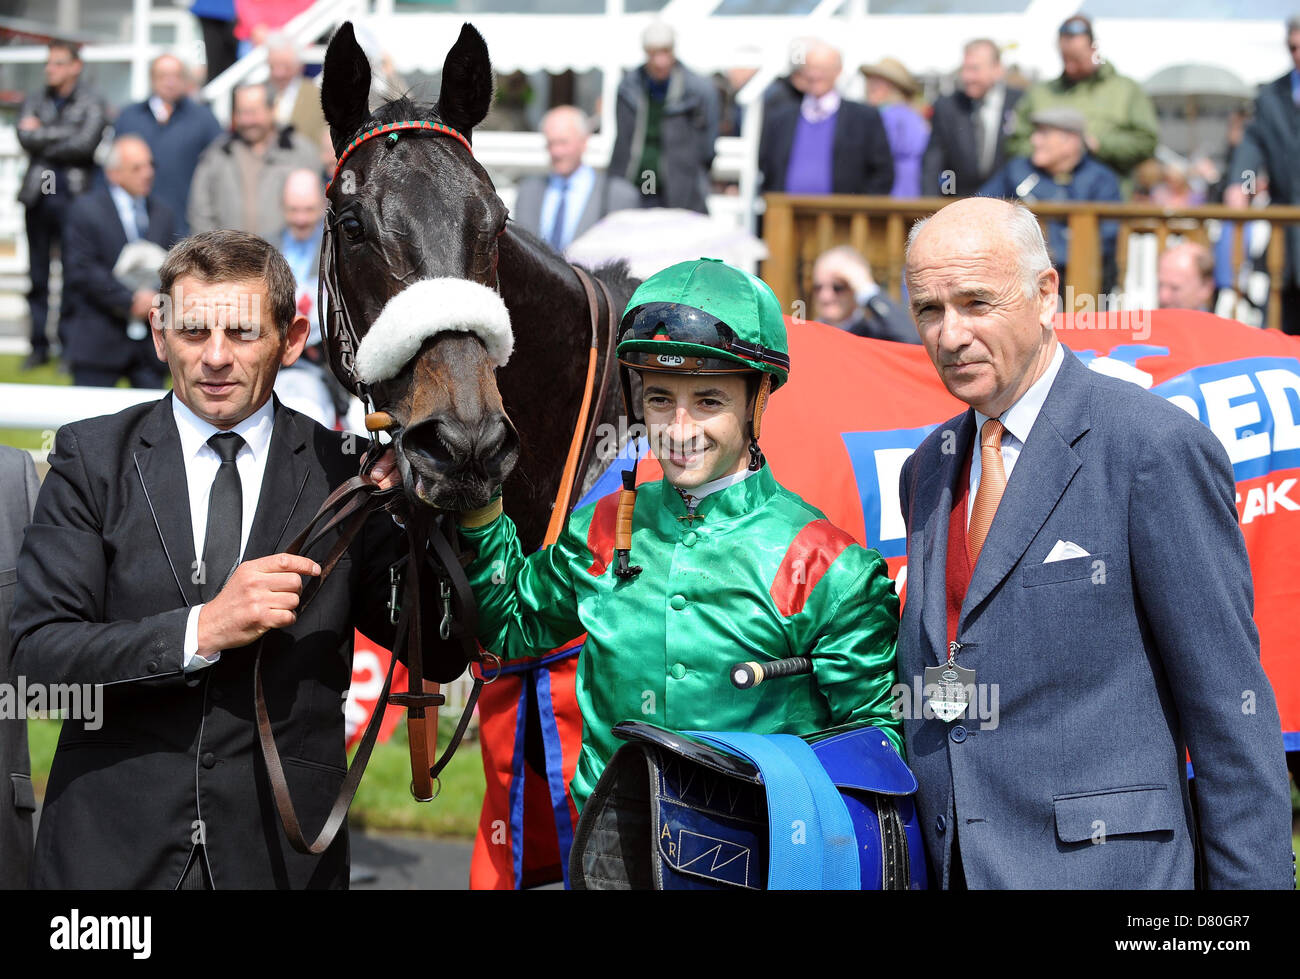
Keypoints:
pixel 724 565
pixel 1122 127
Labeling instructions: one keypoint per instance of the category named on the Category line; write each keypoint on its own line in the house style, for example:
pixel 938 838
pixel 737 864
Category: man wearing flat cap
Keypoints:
pixel 1060 168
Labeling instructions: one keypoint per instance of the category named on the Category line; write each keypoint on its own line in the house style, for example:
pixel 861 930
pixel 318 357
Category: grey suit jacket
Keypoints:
pixel 18 488
pixel 1107 668
pixel 608 194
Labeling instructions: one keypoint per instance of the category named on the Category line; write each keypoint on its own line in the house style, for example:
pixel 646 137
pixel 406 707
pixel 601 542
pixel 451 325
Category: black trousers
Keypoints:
pixel 45 221
pixel 219 45
pixel 144 371
pixel 1291 310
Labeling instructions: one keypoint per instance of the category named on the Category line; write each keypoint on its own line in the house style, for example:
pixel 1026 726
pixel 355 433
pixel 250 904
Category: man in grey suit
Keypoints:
pixel 18 487
pixel 1083 559
pixel 558 208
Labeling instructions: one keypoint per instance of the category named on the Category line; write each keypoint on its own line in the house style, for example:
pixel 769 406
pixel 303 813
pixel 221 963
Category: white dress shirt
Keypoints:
pixel 991 120
pixel 285 102
pixel 815 108
pixel 201 465
pixel 1017 420
pixel 713 485
pixel 125 205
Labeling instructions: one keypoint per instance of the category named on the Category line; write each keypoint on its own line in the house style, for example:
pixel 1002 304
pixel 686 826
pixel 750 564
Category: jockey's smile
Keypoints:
pixel 697 424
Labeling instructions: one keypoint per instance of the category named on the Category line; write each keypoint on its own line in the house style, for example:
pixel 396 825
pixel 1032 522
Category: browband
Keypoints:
pixel 433 128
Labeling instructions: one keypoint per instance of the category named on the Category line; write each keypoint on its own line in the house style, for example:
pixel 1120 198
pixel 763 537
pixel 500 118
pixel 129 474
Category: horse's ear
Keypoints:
pixel 345 87
pixel 467 82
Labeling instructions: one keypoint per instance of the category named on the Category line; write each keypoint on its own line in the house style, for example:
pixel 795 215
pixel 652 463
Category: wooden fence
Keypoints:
pixel 798 229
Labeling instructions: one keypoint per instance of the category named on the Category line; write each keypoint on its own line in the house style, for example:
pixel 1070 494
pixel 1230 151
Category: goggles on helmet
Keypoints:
pixel 677 337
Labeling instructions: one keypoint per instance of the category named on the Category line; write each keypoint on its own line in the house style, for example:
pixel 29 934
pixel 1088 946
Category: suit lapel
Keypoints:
pixel 1044 469
pixel 286 474
pixel 941 487
pixel 161 470
pixel 113 222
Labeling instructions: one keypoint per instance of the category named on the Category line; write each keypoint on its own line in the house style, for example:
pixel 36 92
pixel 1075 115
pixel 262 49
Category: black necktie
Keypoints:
pixel 225 517
pixel 557 226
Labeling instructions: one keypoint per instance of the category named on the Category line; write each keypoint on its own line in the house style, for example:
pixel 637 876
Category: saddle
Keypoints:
pixel 684 811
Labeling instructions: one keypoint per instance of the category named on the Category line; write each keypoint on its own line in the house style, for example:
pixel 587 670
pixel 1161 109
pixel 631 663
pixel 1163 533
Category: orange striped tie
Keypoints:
pixel 993 480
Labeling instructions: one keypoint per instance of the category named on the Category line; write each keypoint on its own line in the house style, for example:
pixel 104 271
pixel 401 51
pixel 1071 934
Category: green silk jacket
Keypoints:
pixel 758 574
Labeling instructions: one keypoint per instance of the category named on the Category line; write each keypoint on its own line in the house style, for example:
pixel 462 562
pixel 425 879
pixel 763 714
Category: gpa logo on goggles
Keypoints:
pixel 670 360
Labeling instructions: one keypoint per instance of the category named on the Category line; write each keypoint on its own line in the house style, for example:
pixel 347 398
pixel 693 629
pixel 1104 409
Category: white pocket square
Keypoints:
pixel 1064 550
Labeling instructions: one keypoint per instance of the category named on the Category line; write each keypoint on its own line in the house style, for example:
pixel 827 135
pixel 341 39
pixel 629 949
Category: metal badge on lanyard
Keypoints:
pixel 948 688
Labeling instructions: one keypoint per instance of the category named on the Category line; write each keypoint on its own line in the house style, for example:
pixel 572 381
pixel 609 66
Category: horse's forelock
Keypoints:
pixel 399 109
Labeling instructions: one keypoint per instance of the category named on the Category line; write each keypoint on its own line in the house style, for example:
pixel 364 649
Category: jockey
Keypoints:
pixel 731 566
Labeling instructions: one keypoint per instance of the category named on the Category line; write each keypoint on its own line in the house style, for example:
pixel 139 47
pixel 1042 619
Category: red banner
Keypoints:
pixel 369 667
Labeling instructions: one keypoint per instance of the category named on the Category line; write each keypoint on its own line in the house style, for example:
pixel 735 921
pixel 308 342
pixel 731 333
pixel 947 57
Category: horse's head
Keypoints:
pixel 412 249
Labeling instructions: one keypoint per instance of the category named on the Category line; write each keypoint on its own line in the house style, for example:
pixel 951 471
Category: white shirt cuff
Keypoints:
pixel 193 661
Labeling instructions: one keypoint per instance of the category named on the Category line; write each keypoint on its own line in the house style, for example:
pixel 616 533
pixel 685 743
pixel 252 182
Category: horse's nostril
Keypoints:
pixel 500 451
pixel 438 442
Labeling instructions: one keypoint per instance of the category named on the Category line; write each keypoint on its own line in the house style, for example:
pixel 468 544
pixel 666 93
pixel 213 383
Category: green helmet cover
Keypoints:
pixel 743 302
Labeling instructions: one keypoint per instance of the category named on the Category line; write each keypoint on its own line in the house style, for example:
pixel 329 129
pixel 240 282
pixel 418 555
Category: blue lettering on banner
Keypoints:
pixel 1252 406
pixel 877 459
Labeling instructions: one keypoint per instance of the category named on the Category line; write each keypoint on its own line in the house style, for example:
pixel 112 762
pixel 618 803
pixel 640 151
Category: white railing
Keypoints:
pixel 320 18
pixel 44 407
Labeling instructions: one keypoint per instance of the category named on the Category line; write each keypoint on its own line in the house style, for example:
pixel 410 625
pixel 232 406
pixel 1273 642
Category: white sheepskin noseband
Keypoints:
pixel 431 306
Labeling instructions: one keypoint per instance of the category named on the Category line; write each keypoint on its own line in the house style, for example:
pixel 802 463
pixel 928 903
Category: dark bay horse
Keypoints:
pixel 412 210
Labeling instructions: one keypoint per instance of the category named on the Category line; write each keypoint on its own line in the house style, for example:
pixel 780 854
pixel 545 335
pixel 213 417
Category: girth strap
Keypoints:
pixel 806 815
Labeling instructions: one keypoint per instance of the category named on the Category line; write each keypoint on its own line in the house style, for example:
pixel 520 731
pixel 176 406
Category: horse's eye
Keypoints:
pixel 352 228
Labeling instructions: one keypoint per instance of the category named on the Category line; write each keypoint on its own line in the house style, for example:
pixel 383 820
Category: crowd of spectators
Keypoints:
pixel 171 170
pixel 1087 135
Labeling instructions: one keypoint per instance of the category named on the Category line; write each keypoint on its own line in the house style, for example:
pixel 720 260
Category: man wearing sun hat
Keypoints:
pixel 722 564
pixel 890 88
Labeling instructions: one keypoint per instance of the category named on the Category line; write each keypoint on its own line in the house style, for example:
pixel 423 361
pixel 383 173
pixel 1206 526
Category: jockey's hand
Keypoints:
pixel 384 474
pixel 261 595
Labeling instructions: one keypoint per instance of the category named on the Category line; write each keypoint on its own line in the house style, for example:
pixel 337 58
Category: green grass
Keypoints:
pixel 11 372
pixel 383 801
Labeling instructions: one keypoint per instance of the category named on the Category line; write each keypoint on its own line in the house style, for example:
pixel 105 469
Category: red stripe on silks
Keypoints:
pixel 600 533
pixel 812 551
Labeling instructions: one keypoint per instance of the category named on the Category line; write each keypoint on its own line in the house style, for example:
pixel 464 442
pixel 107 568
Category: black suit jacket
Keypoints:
pixel 106 579
pixel 952 145
pixel 861 162
pixel 18 487
pixel 1271 144
pixel 95 304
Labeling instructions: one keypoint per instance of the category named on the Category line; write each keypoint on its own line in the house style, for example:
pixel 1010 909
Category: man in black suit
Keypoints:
pixel 103 319
pixel 1271 144
pixel 969 127
pixel 822 143
pixel 561 206
pixel 170 790
pixel 18 486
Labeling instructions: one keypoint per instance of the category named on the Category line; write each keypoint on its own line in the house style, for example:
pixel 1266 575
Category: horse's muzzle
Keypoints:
pixel 454 464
